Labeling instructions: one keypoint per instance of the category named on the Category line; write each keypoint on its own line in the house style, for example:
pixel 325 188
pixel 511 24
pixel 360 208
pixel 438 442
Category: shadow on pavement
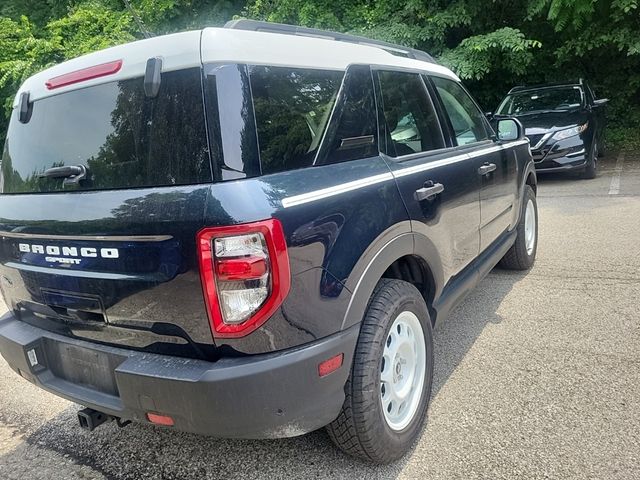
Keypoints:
pixel 139 451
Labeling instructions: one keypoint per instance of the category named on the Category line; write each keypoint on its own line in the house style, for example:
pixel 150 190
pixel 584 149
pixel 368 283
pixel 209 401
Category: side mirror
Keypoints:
pixel 510 129
pixel 600 102
pixel 489 115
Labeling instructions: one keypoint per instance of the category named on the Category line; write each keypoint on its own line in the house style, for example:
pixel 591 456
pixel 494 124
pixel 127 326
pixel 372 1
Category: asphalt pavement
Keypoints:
pixel 537 376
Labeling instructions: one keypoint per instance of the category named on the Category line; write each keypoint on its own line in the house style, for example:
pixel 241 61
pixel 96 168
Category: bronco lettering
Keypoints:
pixel 87 252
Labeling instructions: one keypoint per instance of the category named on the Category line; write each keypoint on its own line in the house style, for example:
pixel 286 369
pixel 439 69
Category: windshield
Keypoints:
pixel 544 99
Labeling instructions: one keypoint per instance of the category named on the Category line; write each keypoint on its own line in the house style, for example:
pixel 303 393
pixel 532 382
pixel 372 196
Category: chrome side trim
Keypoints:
pixel 575 154
pixel 103 238
pixel 74 273
pixel 335 190
pixel 383 177
pixel 428 166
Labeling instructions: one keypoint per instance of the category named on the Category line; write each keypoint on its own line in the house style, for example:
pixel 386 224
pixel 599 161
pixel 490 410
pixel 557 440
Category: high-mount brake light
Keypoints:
pixel 83 75
pixel 245 275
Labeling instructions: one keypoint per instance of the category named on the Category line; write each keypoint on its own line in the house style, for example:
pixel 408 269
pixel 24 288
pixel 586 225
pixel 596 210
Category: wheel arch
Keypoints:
pixel 411 257
pixel 532 180
pixel 529 178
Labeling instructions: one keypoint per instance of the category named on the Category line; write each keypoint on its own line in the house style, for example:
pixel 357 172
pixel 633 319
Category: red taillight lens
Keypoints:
pixel 85 74
pixel 241 268
pixel 245 275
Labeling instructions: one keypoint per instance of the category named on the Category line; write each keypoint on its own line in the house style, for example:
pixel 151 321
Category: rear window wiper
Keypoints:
pixel 72 174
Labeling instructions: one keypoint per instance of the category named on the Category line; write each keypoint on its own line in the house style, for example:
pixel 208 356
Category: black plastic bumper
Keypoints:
pixel 263 396
pixel 563 156
pixel 563 164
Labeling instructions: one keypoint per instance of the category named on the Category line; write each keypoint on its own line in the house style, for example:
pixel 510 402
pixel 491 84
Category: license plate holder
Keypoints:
pixel 83 366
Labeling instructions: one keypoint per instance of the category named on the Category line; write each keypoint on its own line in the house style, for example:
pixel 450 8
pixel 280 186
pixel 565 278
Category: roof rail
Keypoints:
pixel 521 88
pixel 257 26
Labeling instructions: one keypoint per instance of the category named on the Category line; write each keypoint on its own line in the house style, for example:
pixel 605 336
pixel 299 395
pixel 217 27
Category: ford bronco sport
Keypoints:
pixel 251 231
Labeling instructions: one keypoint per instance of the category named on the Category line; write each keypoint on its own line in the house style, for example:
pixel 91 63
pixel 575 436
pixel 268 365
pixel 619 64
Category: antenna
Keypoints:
pixel 137 19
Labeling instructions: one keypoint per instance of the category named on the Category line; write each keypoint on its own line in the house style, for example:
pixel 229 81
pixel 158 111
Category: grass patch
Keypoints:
pixel 622 138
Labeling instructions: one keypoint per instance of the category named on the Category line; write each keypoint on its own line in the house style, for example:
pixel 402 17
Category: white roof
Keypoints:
pixel 221 45
pixel 266 48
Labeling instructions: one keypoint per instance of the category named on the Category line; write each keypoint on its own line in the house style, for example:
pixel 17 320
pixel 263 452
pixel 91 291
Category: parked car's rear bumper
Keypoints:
pixel 262 396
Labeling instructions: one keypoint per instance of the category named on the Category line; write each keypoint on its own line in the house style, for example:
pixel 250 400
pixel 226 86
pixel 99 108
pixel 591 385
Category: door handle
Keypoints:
pixel 429 191
pixel 487 168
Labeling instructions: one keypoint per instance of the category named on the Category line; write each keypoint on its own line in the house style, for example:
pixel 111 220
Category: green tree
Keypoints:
pixel 492 45
pixel 495 45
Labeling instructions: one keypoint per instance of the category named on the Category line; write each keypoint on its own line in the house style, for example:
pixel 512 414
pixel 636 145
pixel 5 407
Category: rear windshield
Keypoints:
pixel 124 138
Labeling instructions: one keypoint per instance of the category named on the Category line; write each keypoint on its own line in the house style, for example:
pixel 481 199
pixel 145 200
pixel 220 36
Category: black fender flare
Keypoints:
pixel 373 264
pixel 530 169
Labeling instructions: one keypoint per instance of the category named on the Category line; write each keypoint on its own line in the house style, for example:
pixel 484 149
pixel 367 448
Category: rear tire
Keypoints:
pixel 522 253
pixel 388 366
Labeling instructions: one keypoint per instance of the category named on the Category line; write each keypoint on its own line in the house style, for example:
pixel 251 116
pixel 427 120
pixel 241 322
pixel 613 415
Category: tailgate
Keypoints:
pixel 115 267
pixel 103 188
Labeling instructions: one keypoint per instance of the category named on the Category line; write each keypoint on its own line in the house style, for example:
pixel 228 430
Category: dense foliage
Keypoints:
pixel 491 44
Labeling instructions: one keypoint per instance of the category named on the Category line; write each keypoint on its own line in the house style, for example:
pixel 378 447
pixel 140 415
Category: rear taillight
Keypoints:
pixel 245 275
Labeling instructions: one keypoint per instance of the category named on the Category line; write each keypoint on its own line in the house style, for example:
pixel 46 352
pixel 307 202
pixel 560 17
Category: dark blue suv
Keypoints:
pixel 251 231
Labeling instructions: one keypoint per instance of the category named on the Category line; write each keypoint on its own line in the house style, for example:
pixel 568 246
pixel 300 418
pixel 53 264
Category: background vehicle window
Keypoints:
pixel 353 130
pixel 466 119
pixel 411 120
pixel 541 100
pixel 292 109
pixel 590 95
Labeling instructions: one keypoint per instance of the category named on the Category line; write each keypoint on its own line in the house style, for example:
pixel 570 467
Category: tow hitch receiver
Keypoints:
pixel 91 419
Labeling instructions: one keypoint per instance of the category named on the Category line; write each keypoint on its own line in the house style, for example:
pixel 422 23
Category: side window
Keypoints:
pixel 590 96
pixel 466 119
pixel 353 130
pixel 411 121
pixel 292 108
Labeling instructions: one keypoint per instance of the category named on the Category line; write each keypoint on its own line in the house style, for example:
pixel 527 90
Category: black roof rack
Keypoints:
pixel 523 88
pixel 257 26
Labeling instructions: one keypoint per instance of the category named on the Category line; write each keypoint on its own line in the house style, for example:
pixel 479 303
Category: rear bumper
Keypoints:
pixel 263 396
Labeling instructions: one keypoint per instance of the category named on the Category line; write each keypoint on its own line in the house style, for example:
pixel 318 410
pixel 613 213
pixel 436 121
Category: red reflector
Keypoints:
pixel 85 74
pixel 241 268
pixel 158 419
pixel 331 365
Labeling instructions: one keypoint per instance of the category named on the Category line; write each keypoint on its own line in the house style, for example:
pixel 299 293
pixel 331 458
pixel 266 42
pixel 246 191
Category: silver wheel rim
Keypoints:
pixel 530 227
pixel 402 371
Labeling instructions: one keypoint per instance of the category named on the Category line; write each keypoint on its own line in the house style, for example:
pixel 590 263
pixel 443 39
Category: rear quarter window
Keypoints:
pixel 292 109
pixel 124 138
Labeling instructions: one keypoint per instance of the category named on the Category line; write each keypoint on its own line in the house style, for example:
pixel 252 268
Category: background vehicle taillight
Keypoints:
pixel 245 275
